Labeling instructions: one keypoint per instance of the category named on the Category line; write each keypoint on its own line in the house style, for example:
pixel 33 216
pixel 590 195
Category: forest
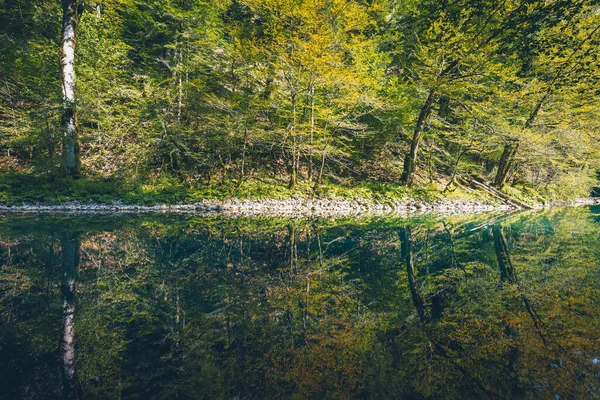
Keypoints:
pixel 180 100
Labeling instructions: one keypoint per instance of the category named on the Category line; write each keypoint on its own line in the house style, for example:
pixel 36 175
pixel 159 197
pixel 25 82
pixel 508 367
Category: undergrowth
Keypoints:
pixel 16 188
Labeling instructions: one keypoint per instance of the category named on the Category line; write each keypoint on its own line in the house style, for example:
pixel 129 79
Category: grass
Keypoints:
pixel 16 189
pixel 19 188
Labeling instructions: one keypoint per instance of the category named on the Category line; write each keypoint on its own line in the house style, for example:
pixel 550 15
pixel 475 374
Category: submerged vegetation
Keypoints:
pixel 181 100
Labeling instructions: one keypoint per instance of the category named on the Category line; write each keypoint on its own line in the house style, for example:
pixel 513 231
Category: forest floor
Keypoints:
pixel 30 193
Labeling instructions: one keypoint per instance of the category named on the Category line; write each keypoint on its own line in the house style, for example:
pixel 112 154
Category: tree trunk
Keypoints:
pixel 320 177
pixel 452 179
pixel 411 158
pixel 509 275
pixel 295 156
pixel 498 194
pixel 293 247
pixel 506 161
pixel 502 171
pixel 511 147
pixel 294 168
pixel 243 169
pixel 70 145
pixel 70 253
pixel 407 254
pixel 311 94
pixel 507 271
pixel 178 73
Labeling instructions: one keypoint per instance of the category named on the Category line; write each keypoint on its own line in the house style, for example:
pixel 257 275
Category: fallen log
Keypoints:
pixel 498 194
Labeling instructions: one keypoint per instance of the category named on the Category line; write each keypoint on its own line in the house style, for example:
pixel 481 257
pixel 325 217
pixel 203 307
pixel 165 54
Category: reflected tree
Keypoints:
pixel 70 252
pixel 405 234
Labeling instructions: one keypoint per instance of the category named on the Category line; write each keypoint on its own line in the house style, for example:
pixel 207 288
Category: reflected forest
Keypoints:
pixel 182 306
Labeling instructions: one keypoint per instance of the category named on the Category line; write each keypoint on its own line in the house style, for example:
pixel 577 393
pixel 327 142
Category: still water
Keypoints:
pixel 187 307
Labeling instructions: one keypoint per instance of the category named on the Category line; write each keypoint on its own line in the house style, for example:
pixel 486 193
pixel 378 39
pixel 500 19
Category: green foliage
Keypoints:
pixel 180 100
pixel 16 189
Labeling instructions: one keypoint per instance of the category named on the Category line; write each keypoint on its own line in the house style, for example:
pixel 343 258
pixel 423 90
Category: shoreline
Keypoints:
pixel 297 207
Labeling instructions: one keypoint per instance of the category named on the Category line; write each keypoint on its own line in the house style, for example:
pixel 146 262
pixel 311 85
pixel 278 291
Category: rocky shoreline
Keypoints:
pixel 295 207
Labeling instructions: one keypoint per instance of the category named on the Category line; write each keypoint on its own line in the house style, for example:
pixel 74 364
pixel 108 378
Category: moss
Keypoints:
pixel 51 189
pixel 524 193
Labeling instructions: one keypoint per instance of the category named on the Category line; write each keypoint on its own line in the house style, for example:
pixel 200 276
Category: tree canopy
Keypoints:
pixel 287 93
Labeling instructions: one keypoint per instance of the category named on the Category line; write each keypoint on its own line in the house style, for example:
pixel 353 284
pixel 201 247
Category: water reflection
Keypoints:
pixel 70 254
pixel 189 307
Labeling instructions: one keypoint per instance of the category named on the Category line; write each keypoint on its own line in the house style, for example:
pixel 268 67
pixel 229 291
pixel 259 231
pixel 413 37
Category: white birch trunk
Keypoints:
pixel 70 148
pixel 70 253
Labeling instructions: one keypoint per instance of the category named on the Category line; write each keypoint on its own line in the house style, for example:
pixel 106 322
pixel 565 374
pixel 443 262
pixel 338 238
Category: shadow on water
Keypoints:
pixel 164 306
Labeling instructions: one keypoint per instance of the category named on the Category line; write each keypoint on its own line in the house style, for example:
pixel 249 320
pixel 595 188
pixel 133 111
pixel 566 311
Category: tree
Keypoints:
pixel 323 71
pixel 71 161
pixel 454 44
pixel 70 253
pixel 565 57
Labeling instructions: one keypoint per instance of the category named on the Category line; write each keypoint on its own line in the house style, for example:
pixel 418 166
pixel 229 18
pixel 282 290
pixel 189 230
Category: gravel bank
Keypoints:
pixel 294 207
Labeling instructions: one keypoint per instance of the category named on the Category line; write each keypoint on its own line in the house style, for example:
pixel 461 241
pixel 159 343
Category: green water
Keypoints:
pixel 159 306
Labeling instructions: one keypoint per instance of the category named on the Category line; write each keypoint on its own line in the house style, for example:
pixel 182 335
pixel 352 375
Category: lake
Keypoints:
pixel 165 306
